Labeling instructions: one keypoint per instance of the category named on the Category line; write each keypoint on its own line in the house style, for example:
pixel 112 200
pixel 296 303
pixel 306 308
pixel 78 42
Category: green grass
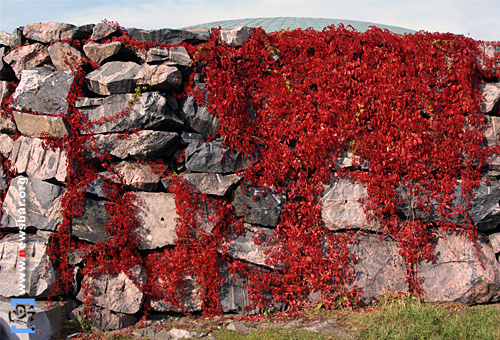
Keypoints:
pixel 391 318
pixel 271 334
pixel 406 318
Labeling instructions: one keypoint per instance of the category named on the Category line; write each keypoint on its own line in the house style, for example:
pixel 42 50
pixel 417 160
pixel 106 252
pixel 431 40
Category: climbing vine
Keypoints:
pixel 406 108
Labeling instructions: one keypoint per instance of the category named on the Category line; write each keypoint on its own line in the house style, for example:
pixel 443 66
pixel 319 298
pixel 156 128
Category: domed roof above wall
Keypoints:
pixel 281 23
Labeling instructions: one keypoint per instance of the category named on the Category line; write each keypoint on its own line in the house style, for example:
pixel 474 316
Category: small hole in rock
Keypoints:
pixel 162 219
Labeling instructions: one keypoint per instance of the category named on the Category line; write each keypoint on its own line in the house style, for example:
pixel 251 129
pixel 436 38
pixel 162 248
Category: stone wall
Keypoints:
pixel 35 57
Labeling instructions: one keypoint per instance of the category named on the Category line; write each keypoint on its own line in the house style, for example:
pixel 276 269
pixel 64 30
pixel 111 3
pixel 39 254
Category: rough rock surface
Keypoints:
pixel 258 207
pixel 6 145
pixel 6 71
pixel 17 38
pixel 145 144
pixel 340 206
pixel 64 56
pixel 138 176
pixel 29 156
pixel 157 220
pixel 197 117
pixel 3 179
pixel 148 111
pixel 379 269
pixel 117 292
pixel 113 77
pixel 495 242
pixel 212 184
pixel 243 247
pixel 172 56
pixel 160 77
pixel 491 93
pixel 42 204
pixel 43 91
pixel 47 31
pixel 11 265
pixel 189 298
pixel 233 293
pixel 166 36
pixel 211 157
pixel 98 53
pixel 41 125
pixel 91 224
pixel 103 318
pixel 4 38
pixel 236 36
pixel 104 30
pixel 4 90
pixel 26 57
pixel 7 125
pixel 491 139
pixel 457 273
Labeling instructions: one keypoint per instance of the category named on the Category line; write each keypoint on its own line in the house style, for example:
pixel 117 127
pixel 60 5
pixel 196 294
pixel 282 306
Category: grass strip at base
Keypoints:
pixel 407 318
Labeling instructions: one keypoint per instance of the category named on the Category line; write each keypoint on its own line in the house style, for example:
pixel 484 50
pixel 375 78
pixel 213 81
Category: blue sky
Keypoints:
pixel 479 19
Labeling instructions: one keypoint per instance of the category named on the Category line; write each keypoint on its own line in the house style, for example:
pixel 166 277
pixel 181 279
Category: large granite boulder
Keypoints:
pixel 42 90
pixel 32 202
pixel 4 92
pixel 98 53
pixel 211 157
pixel 17 38
pixel 104 30
pixel 237 36
pixel 491 93
pixel 113 78
pixel 146 144
pixel 459 273
pixel 39 274
pixel 157 220
pixel 487 51
pixel 258 206
pixel 244 247
pixel 341 207
pixel 160 77
pixel 138 176
pixel 167 36
pixel 197 118
pixel 233 293
pixel 118 292
pixel 48 31
pixel 28 56
pixel 103 318
pixel 379 269
pixel 212 184
pixel 188 295
pixel 491 139
pixel 64 56
pixel 495 243
pixel 91 224
pixel 4 39
pixel 172 56
pixel 29 156
pixel 32 125
pixel 6 145
pixel 124 112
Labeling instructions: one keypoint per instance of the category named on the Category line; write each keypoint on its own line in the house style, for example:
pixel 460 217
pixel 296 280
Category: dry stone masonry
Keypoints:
pixel 139 89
